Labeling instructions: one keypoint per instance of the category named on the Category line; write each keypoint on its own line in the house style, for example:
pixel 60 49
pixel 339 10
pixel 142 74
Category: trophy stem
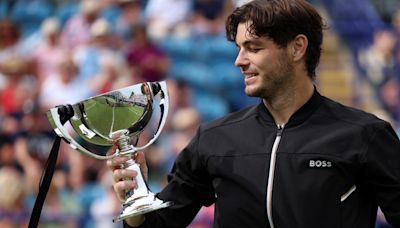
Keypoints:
pixel 139 200
pixel 123 140
pixel 141 189
pixel 124 146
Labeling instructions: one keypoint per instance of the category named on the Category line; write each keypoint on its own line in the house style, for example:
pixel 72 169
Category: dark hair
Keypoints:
pixel 281 21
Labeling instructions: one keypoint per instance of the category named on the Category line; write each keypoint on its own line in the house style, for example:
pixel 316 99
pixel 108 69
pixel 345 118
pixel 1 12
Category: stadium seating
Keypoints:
pixel 30 14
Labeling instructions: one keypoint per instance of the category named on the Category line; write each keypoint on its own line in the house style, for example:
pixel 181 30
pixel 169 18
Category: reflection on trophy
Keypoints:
pixel 118 117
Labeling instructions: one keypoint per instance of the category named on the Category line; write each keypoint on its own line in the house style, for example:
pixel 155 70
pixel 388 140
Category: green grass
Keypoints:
pixel 105 119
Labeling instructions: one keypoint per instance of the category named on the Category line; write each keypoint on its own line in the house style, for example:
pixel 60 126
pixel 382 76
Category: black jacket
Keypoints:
pixel 333 166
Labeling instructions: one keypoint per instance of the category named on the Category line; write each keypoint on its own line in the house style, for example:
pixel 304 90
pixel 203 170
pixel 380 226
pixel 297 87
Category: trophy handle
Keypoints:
pixel 60 130
pixel 164 107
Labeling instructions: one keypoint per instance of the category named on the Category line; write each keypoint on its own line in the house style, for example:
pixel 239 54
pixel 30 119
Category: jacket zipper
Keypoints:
pixel 271 173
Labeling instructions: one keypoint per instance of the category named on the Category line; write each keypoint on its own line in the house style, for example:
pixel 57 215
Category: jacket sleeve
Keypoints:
pixel 189 188
pixel 382 170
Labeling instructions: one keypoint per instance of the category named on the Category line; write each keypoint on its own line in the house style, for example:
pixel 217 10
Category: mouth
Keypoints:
pixel 249 77
pixel 249 74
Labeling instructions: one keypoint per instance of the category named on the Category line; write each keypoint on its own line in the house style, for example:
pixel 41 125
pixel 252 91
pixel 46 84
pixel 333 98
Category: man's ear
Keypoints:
pixel 299 47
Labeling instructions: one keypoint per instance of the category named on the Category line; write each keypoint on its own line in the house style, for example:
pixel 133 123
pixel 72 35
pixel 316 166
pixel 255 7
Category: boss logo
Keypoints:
pixel 320 163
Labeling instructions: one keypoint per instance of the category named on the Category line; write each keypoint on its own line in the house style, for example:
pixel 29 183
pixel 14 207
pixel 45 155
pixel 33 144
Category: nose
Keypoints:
pixel 241 59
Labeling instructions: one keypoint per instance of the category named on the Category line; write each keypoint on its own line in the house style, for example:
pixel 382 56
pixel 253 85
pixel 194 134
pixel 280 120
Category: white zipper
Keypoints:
pixel 271 173
pixel 348 193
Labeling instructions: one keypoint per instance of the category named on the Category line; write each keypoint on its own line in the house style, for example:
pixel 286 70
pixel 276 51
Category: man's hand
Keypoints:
pixel 124 179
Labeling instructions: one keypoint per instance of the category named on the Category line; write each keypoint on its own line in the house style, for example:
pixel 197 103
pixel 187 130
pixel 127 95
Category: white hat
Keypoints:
pixel 90 6
pixel 50 26
pixel 100 28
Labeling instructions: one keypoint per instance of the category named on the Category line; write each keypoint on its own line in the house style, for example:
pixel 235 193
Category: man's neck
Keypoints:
pixel 284 105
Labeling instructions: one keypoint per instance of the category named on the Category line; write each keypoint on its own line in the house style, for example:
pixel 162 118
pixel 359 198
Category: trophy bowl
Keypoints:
pixel 117 118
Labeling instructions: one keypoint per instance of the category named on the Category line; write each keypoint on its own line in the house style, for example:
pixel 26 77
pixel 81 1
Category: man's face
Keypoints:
pixel 266 67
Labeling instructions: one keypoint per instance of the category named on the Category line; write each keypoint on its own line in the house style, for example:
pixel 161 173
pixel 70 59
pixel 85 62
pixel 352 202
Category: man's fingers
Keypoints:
pixel 117 162
pixel 123 174
pixel 122 187
pixel 112 150
pixel 125 179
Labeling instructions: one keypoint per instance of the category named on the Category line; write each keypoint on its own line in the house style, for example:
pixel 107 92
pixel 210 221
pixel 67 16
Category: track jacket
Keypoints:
pixel 329 166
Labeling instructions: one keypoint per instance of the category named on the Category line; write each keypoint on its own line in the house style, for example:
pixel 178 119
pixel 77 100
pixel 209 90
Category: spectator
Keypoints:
pixel 378 64
pixel 13 212
pixel 162 22
pixel 9 39
pixel 19 89
pixel 77 29
pixel 208 16
pixel 104 209
pixel 64 87
pixel 146 60
pixel 100 64
pixel 62 208
pixel 7 153
pixel 128 14
pixel 49 52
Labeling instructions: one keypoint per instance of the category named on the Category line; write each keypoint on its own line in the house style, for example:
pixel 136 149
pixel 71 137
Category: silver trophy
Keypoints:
pixel 119 117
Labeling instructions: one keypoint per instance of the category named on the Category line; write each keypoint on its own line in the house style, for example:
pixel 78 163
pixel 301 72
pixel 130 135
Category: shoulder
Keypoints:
pixel 343 114
pixel 232 119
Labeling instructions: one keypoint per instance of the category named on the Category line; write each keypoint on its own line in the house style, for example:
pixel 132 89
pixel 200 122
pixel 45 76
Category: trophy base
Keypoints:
pixel 141 205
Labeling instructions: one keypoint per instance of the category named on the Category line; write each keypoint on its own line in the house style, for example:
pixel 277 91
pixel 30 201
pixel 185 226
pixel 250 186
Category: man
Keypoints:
pixel 297 159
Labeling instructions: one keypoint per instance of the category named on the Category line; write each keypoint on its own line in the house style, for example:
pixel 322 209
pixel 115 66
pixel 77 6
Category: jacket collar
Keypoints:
pixel 300 115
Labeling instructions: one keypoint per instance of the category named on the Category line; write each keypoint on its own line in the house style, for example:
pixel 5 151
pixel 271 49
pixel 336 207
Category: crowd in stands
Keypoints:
pixel 370 30
pixel 378 71
pixel 56 52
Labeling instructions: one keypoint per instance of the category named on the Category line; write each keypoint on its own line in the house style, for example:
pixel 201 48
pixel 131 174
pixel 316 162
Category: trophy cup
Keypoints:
pixel 118 117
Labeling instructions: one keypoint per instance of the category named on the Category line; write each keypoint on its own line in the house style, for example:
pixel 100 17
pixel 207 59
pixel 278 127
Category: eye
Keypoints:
pixel 254 49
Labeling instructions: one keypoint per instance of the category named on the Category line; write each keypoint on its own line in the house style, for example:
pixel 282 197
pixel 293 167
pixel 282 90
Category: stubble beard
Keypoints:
pixel 275 82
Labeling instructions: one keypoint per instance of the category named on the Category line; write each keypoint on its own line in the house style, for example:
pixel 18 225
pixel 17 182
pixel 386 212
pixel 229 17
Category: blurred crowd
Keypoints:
pixel 56 52
pixel 378 65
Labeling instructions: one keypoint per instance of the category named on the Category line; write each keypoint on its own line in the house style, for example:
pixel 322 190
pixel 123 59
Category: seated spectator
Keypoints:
pixel 104 209
pixel 162 22
pixel 13 213
pixel 19 89
pixel 61 208
pixel 378 64
pixel 77 29
pixel 9 39
pixel 146 60
pixel 49 52
pixel 101 65
pixel 208 16
pixel 64 87
pixel 125 14
pixel 7 153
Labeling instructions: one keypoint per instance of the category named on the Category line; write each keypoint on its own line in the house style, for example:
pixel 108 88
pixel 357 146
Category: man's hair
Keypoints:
pixel 281 21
